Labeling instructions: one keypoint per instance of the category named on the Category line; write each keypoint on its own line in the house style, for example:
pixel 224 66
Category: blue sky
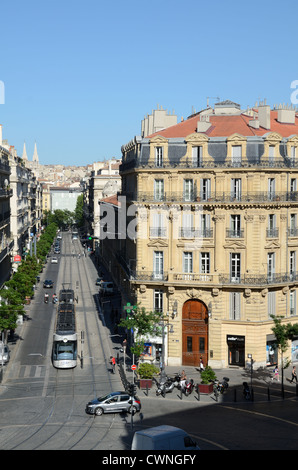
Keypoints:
pixel 80 76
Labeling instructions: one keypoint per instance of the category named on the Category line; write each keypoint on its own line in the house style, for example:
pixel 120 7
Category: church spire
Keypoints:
pixel 24 156
pixel 35 154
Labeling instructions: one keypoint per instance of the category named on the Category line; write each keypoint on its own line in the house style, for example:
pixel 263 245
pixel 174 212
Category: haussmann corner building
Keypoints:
pixel 216 202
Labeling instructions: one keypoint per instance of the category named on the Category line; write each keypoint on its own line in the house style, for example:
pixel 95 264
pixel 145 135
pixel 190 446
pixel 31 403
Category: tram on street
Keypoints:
pixel 64 352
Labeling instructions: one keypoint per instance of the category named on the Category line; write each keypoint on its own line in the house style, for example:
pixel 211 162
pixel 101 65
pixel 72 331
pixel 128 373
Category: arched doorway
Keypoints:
pixel 194 333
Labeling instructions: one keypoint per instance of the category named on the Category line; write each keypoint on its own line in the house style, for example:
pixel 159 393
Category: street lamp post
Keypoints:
pixel 163 375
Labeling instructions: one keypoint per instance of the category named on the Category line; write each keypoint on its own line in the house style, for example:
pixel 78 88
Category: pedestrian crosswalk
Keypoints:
pixel 27 371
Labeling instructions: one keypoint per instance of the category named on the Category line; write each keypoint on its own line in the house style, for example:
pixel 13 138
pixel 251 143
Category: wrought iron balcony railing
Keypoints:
pixel 214 197
pixel 193 163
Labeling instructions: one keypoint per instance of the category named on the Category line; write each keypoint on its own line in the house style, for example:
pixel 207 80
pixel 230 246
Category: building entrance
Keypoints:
pixel 194 333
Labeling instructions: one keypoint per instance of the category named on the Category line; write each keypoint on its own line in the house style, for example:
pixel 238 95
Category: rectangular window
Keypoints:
pixel 158 300
pixel 236 189
pixel 236 155
pixel 158 265
pixel 293 225
pixel 235 305
pixel 292 302
pixel 205 226
pixel 271 188
pixel 292 265
pixel 187 262
pixel 197 156
pixel 205 263
pixel 271 304
pixel 235 268
pixel 189 344
pixel 158 156
pixel 271 153
pixel 188 190
pixel 205 189
pixel 187 229
pixel 293 185
pixel 235 223
pixel 158 228
pixel 293 151
pixel 271 267
pixel 158 190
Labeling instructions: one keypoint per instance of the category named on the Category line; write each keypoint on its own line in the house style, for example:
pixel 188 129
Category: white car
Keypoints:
pixel 4 353
pixel 54 260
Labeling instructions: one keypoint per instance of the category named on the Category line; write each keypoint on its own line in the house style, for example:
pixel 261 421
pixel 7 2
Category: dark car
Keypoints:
pixel 48 283
pixel 115 402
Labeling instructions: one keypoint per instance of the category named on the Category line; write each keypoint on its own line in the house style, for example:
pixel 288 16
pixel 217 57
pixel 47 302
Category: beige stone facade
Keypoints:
pixel 216 244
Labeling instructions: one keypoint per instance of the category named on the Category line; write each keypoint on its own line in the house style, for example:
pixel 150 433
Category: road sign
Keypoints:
pixel 133 367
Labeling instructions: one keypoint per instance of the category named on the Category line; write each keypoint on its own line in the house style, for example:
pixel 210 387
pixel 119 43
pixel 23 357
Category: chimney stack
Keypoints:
pixel 264 115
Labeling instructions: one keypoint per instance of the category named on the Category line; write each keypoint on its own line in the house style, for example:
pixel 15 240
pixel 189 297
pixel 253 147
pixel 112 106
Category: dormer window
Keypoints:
pixel 197 153
pixel 236 155
pixel 158 156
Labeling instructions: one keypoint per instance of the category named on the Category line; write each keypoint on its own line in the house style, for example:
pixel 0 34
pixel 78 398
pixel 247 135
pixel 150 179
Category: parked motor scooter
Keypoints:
pixel 189 386
pixel 168 385
pixel 221 387
pixel 246 391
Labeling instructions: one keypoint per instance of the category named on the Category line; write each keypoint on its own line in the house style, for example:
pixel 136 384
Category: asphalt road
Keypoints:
pixel 42 408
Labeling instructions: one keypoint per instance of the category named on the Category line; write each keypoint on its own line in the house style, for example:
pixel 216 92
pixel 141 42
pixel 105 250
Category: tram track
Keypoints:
pixel 72 429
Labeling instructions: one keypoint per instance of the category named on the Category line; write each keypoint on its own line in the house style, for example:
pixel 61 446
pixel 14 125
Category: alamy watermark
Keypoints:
pixel 2 92
pixel 294 94
pixel 161 221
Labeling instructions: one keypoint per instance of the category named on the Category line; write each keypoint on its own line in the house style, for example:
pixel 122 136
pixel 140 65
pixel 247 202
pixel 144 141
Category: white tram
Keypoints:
pixel 64 353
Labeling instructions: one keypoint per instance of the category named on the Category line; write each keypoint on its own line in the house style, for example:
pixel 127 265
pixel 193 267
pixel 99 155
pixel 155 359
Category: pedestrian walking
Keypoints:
pixel 201 364
pixel 276 374
pixel 294 375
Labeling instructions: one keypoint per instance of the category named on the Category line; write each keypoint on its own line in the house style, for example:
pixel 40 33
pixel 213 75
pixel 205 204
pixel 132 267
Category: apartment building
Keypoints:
pixel 215 198
pixel 6 242
pixel 104 181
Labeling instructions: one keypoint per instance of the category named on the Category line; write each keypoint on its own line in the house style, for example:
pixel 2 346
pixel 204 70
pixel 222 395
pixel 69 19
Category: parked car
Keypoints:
pixel 115 402
pixel 4 353
pixel 106 288
pixel 48 283
pixel 54 260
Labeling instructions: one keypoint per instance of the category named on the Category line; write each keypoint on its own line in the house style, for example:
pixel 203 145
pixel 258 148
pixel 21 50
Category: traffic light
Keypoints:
pixel 132 388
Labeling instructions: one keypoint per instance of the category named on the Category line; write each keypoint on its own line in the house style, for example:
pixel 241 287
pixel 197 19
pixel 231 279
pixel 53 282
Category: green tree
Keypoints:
pixel 10 307
pixel 284 332
pixel 142 323
pixel 79 211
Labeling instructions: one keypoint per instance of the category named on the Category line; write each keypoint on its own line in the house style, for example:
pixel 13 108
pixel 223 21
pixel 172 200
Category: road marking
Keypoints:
pixel 262 414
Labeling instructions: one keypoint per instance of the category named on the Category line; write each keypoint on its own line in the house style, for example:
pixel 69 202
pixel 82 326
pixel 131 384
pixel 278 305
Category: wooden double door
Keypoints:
pixel 194 333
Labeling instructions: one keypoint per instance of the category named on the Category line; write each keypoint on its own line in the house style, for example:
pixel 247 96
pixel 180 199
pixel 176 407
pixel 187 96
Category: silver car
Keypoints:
pixel 4 353
pixel 115 402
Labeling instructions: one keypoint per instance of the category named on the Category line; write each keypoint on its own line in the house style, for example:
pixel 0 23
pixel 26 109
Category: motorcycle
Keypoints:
pixel 189 386
pixel 246 391
pixel 221 387
pixel 186 387
pixel 168 385
pixel 46 299
pixel 54 299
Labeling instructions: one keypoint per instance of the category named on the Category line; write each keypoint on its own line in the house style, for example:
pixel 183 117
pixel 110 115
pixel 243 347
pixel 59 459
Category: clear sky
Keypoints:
pixel 79 76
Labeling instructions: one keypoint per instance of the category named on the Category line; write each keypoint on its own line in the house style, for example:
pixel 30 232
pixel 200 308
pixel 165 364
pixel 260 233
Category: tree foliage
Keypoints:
pixel 142 323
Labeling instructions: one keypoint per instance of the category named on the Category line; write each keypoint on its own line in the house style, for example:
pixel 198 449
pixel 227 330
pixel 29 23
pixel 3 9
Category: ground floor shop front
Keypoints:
pixel 194 336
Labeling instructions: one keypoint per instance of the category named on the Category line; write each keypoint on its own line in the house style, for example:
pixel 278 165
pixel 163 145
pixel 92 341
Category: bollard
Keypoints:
pixel 198 390
pixel 235 395
pixel 296 390
pixel 268 393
